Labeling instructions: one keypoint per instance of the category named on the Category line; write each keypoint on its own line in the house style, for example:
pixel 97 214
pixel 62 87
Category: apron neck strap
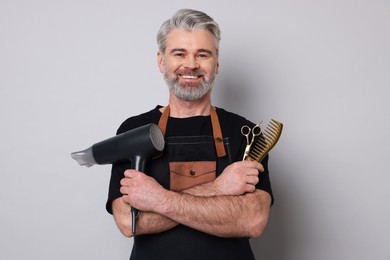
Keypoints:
pixel 217 133
pixel 162 124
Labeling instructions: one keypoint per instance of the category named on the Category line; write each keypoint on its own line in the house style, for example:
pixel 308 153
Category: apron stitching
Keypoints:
pixel 190 143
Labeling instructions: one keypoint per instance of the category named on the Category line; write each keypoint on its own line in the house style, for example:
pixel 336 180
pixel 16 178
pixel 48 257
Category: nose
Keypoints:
pixel 191 63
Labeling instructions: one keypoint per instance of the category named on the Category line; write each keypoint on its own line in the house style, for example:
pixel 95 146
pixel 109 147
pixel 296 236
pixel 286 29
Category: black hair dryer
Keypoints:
pixel 137 145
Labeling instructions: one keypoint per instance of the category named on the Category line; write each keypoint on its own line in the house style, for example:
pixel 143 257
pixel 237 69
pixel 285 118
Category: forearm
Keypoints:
pixel 147 222
pixel 150 222
pixel 230 206
pixel 225 216
pixel 204 190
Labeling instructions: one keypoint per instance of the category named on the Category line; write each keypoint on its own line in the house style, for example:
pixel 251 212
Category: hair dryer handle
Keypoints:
pixel 138 163
pixel 134 215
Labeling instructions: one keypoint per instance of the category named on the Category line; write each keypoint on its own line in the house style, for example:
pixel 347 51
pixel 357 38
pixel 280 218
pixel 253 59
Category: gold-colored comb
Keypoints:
pixel 266 141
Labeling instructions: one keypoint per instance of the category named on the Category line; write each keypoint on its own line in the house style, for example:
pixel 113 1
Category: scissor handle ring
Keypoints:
pixel 245 130
pixel 256 130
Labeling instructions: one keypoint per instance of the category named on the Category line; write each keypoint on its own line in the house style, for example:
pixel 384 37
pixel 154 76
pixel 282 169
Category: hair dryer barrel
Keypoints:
pixel 145 142
pixel 137 145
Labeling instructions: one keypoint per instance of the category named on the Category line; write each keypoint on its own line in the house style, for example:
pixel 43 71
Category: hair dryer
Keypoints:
pixel 137 145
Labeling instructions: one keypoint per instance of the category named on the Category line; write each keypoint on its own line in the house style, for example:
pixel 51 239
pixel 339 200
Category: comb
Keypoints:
pixel 267 141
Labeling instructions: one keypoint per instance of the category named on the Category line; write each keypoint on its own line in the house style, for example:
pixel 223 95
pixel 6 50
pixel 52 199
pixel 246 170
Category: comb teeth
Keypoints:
pixel 267 140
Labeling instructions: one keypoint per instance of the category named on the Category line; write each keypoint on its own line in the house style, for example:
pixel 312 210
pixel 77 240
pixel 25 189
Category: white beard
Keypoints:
pixel 187 92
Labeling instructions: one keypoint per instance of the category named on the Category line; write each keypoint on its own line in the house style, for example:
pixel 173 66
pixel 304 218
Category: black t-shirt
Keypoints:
pixel 183 242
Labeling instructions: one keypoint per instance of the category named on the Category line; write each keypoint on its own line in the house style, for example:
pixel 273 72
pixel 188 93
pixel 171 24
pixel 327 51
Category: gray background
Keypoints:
pixel 72 71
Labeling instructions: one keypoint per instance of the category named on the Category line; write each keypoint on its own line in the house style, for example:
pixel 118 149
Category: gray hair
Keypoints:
pixel 189 20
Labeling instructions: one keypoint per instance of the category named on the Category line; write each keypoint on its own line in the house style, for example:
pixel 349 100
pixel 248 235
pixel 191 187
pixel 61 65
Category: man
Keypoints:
pixel 198 200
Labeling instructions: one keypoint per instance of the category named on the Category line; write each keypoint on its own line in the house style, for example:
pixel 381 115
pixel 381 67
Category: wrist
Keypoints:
pixel 218 191
pixel 165 205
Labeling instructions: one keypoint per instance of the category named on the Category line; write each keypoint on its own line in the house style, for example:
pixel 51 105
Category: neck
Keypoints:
pixel 182 109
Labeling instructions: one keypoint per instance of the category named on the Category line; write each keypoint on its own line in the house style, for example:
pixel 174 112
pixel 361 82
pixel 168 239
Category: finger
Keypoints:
pixel 261 167
pixel 253 164
pixel 130 173
pixel 123 190
pixel 253 180
pixel 250 188
pixel 125 181
pixel 125 198
pixel 252 172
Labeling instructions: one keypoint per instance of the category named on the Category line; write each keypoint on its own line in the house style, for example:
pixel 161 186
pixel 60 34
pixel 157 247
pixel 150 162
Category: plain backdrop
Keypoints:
pixel 72 71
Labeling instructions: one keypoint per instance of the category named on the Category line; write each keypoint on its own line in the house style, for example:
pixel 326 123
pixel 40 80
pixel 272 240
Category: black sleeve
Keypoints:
pixel 264 180
pixel 117 174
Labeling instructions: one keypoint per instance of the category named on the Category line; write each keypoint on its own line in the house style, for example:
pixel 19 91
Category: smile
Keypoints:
pixel 189 76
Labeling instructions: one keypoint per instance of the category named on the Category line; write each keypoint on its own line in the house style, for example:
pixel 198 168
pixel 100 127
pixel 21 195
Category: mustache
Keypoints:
pixel 192 72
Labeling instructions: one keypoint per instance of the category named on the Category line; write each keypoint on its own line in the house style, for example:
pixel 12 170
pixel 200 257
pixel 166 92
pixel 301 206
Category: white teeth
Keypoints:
pixel 189 77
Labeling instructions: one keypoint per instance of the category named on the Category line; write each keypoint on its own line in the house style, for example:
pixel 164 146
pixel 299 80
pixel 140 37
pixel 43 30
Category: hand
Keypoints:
pixel 141 191
pixel 239 178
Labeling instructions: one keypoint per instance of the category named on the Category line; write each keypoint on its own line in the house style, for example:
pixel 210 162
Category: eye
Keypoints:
pixel 178 54
pixel 203 55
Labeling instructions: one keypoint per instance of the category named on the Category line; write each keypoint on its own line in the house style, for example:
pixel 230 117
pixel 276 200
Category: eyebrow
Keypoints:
pixel 177 50
pixel 206 51
pixel 184 50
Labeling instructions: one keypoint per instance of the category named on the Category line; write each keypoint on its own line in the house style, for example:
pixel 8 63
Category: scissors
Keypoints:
pixel 246 131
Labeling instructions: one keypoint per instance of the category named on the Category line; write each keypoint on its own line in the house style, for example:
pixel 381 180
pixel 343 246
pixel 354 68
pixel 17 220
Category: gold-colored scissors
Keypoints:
pixel 246 131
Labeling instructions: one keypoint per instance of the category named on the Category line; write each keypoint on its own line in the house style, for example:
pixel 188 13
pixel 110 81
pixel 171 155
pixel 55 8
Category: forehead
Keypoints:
pixel 191 40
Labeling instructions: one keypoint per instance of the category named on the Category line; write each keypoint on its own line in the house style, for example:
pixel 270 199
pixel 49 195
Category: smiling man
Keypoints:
pixel 198 200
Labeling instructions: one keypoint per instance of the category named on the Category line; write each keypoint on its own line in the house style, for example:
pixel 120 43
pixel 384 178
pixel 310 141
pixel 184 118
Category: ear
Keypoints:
pixel 217 68
pixel 160 62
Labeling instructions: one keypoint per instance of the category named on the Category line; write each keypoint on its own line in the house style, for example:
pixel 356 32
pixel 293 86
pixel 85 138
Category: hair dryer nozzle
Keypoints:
pixel 85 157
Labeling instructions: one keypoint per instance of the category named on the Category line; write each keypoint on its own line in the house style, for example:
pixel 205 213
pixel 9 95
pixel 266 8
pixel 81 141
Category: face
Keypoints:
pixel 189 63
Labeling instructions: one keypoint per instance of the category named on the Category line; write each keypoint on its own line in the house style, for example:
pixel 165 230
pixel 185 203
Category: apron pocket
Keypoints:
pixel 184 175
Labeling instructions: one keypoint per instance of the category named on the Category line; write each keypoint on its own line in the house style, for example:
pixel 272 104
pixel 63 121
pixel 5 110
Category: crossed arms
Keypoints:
pixel 229 206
